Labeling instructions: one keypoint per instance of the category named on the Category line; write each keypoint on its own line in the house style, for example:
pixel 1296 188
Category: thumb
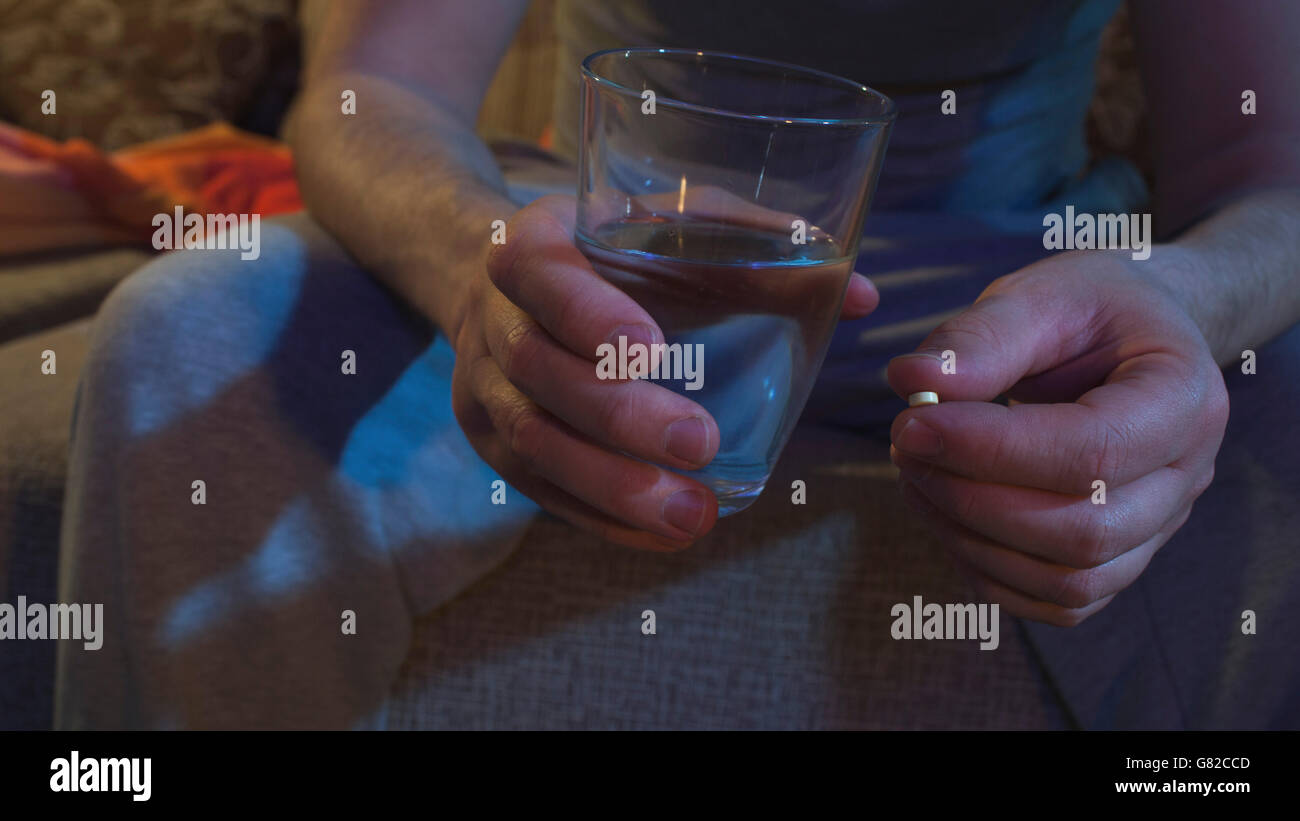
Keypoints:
pixel 860 299
pixel 983 351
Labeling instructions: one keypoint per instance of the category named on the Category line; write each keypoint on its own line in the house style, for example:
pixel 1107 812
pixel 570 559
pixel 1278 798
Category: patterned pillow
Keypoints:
pixel 125 71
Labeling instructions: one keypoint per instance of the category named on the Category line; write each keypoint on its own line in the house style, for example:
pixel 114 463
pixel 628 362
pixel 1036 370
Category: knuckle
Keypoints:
pixel 1093 535
pixel 615 410
pixel 1110 454
pixel 1077 588
pixel 575 310
pixel 976 325
pixel 522 346
pixel 500 262
pixel 525 430
pixel 504 260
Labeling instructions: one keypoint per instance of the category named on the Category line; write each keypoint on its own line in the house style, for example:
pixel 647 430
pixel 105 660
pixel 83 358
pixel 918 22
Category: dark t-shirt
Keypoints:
pixel 1022 73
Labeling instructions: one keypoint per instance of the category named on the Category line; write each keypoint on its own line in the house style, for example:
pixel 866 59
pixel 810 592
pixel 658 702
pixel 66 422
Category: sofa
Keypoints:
pixel 552 638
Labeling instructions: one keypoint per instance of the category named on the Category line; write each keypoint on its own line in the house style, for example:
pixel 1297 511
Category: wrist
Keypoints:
pixel 1185 276
pixel 441 277
pixel 459 295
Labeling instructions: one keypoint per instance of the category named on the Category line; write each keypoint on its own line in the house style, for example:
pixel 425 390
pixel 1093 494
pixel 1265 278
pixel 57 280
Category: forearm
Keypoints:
pixel 1238 271
pixel 404 185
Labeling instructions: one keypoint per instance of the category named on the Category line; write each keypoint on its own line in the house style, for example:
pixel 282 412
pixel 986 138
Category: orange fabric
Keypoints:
pixel 55 195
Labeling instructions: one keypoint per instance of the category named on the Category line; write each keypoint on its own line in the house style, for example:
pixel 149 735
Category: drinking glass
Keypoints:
pixel 726 195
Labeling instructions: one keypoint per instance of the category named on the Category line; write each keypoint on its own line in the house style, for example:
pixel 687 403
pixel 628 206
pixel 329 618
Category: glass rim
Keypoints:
pixel 889 114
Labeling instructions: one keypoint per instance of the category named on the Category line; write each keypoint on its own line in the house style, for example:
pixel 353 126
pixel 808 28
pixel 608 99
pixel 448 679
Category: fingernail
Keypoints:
pixel 935 357
pixel 638 333
pixel 685 509
pixel 688 440
pixel 855 299
pixel 919 439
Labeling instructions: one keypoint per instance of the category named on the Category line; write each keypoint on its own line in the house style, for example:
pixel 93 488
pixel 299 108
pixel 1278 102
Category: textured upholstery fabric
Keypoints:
pixel 35 411
pixel 126 71
pixel 41 291
pixel 778 619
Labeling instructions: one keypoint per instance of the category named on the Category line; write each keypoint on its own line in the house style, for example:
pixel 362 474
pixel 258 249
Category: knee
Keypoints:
pixel 188 302
pixel 191 321
pixel 172 293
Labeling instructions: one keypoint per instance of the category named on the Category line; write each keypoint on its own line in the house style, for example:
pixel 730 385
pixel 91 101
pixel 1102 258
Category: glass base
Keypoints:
pixel 734 497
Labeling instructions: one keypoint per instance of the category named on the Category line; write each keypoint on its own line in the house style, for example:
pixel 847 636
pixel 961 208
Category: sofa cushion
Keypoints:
pixel 35 418
pixel 129 72
pixel 39 291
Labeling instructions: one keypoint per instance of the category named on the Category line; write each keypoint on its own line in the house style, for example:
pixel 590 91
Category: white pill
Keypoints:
pixel 923 398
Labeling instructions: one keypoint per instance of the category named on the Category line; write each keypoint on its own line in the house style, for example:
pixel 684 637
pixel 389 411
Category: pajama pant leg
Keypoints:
pixel 335 506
